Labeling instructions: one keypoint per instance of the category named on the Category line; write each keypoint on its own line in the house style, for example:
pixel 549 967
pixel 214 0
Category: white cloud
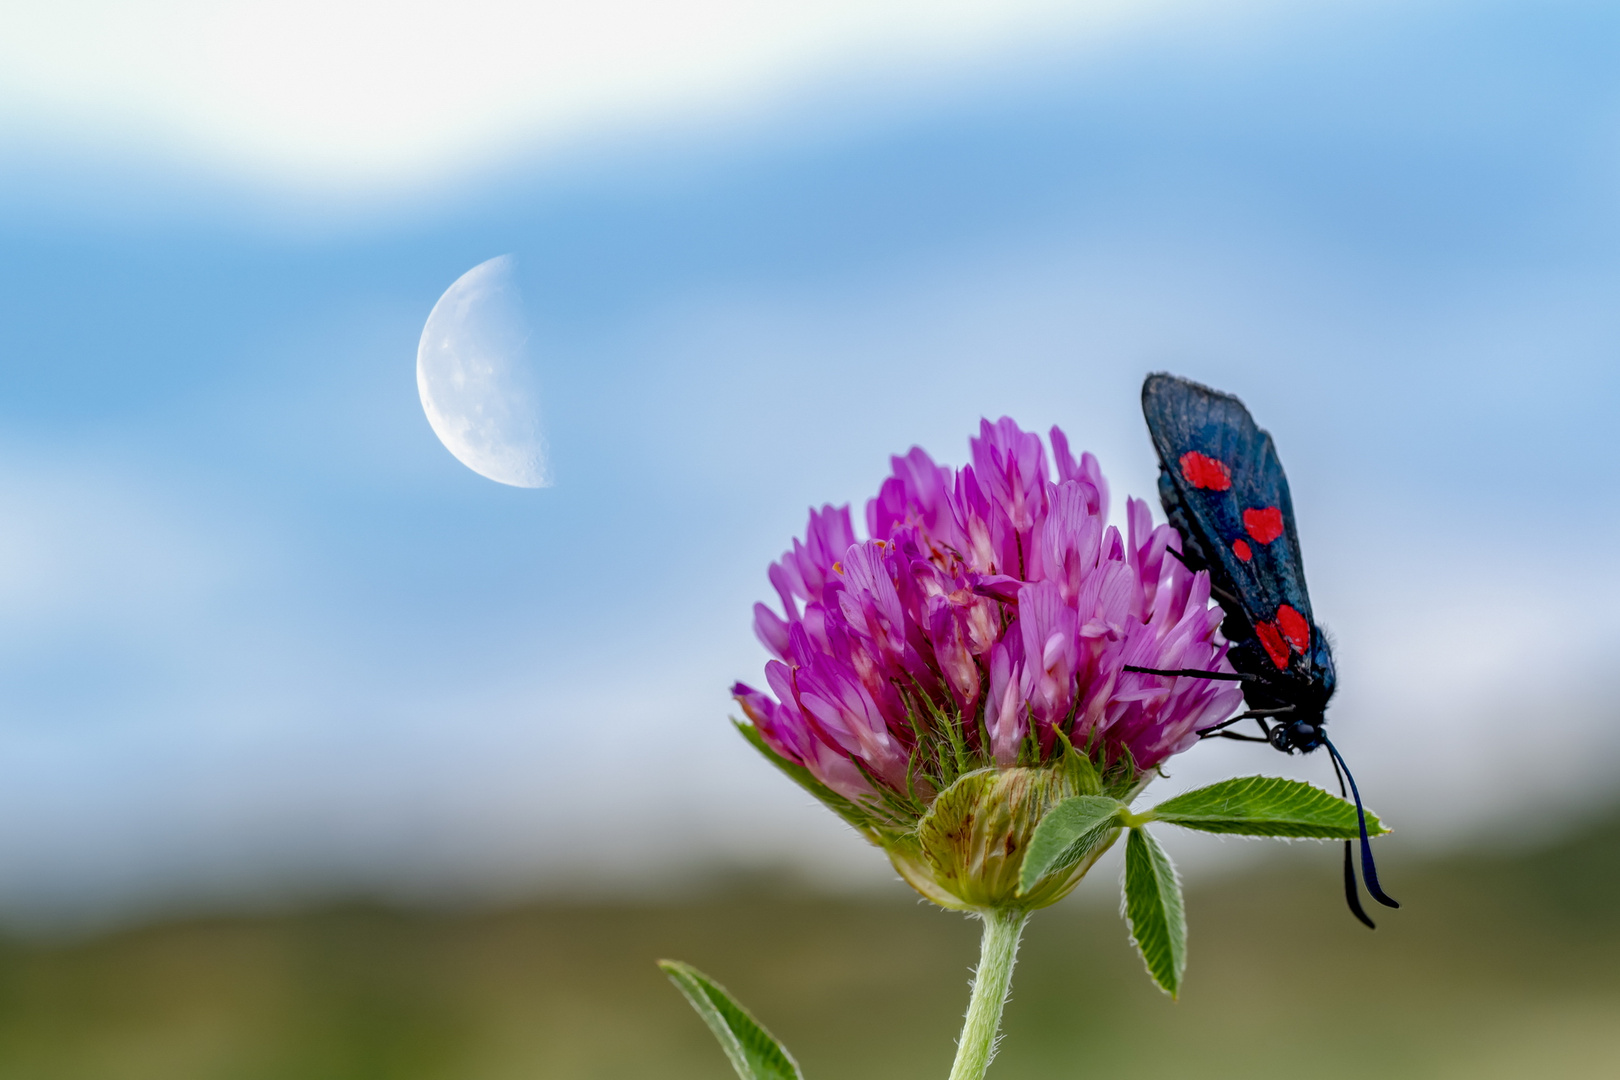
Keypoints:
pixel 343 93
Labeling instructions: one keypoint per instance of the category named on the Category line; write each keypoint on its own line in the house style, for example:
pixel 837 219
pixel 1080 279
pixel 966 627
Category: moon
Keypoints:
pixel 475 372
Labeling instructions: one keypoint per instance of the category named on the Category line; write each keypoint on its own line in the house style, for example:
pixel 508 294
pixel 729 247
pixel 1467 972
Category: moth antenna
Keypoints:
pixel 1369 870
pixel 1352 895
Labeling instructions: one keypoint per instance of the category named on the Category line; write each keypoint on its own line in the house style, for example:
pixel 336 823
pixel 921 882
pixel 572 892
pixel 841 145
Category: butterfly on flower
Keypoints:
pixel 1224 491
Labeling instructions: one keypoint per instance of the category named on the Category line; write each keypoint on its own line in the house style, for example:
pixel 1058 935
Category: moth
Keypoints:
pixel 1225 493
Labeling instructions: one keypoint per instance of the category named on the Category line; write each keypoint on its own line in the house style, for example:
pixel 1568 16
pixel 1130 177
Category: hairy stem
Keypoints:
pixel 997 951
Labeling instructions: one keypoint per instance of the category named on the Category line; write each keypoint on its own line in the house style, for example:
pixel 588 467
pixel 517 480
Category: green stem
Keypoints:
pixel 997 951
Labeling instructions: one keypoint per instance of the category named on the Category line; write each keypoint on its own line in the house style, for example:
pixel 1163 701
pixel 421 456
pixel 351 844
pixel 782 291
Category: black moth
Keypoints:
pixel 1224 491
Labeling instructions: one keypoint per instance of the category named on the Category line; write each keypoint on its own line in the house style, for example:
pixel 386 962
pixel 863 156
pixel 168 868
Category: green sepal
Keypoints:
pixel 972 841
pixel 753 1051
pixel 1068 832
pixel 1154 909
pixel 1266 806
pixel 870 825
pixel 1081 772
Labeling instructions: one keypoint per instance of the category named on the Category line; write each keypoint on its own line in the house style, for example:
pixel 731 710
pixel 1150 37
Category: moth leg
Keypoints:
pixel 1194 673
pixel 1221 733
pixel 1252 714
pixel 1215 590
pixel 1219 730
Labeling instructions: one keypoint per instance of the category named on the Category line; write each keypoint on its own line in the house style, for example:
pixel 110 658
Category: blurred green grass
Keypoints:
pixel 1502 966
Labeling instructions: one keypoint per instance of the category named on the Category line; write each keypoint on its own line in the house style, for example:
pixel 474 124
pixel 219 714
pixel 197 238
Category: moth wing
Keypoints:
pixel 1224 487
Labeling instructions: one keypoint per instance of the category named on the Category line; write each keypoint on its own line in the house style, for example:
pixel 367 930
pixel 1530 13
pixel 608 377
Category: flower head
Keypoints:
pixel 983 626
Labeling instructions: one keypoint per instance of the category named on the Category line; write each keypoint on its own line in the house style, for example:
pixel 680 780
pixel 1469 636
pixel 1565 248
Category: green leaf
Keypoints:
pixel 1266 806
pixel 1066 835
pixel 1153 906
pixel 752 1050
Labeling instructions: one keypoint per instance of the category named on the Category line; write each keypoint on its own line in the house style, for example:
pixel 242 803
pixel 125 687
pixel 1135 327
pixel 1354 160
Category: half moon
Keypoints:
pixel 476 377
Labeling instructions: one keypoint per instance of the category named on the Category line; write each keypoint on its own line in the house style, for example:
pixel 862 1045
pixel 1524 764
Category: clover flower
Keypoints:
pixel 976 642
pixel 964 687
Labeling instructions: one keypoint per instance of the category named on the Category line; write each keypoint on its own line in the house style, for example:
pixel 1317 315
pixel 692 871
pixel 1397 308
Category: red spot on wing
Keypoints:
pixel 1276 647
pixel 1240 548
pixel 1295 628
pixel 1265 525
pixel 1203 471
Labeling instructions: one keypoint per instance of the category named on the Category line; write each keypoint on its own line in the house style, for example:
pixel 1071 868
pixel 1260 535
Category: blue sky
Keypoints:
pixel 261 636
